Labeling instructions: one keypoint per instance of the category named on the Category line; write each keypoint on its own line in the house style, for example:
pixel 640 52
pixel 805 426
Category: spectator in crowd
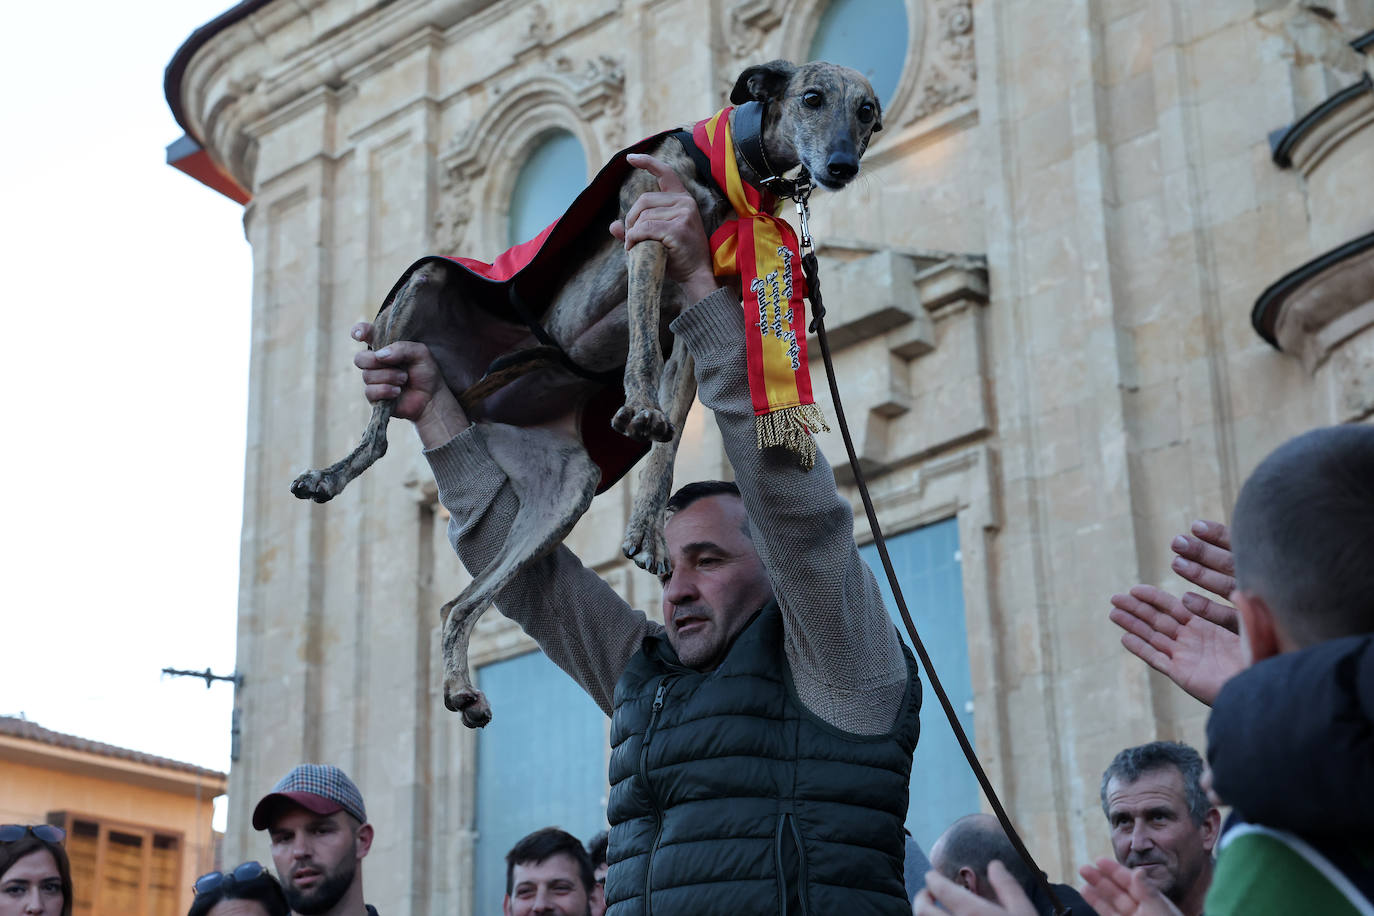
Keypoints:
pixel 548 872
pixel 249 890
pixel 969 845
pixel 35 877
pixel 775 635
pixel 1161 822
pixel 1291 737
pixel 315 819
pixel 596 851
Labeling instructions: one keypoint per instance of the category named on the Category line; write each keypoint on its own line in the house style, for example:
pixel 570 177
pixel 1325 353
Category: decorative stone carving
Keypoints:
pixel 601 88
pixel 950 70
pixel 453 214
pixel 464 159
pixel 540 31
pixel 748 24
pixel 568 95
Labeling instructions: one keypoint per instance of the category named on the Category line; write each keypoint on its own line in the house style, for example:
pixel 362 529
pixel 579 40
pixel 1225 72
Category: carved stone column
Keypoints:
pixel 1322 312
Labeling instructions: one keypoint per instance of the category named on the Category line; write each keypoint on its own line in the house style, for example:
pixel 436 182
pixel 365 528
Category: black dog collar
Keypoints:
pixel 748 132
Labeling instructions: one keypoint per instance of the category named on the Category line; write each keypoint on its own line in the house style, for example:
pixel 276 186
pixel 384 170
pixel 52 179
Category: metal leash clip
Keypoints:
pixel 801 196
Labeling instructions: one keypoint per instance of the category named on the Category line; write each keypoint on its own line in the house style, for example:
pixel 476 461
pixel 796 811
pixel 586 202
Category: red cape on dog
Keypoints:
pixel 521 283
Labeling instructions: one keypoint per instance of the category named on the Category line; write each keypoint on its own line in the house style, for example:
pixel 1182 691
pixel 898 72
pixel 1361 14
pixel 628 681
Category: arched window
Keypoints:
pixel 551 178
pixel 869 35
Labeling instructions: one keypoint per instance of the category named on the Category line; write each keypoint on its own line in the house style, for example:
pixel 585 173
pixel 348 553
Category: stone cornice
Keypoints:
pixel 1303 145
pixel 260 57
pixel 1311 310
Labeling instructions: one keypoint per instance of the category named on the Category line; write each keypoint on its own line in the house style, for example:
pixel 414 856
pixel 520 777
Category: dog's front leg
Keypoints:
pixel 642 418
pixel 644 535
pixel 419 293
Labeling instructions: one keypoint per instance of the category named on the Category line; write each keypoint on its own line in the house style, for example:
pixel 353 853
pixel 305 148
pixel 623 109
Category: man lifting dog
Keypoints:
pixel 762 737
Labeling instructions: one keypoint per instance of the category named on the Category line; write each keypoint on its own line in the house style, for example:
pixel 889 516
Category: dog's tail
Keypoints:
pixel 506 369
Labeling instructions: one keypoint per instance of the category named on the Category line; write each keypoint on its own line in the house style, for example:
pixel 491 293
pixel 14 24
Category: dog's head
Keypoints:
pixel 818 115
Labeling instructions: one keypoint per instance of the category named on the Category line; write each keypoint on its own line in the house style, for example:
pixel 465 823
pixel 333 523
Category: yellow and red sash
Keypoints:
pixel 763 251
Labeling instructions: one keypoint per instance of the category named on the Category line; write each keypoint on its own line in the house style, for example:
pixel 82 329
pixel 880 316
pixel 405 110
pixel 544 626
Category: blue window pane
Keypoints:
pixel 552 177
pixel 869 35
pixel 927 563
pixel 540 763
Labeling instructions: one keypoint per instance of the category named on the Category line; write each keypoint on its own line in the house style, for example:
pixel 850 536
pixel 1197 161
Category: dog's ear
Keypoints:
pixel 878 121
pixel 762 83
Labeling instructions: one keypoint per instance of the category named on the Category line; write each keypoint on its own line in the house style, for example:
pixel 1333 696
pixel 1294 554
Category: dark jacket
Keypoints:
pixel 1291 740
pixel 729 797
pixel 1291 746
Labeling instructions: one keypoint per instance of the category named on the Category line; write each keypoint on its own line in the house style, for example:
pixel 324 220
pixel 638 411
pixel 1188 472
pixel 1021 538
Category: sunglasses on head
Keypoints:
pixel 213 881
pixel 9 833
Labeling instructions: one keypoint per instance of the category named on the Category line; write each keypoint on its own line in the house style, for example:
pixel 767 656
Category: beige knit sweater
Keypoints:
pixel 842 648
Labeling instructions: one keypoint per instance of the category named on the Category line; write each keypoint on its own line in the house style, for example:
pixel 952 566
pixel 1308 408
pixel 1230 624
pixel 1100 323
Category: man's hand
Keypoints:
pixel 1194 652
pixel 1011 899
pixel 407 372
pixel 1205 559
pixel 1115 890
pixel 670 216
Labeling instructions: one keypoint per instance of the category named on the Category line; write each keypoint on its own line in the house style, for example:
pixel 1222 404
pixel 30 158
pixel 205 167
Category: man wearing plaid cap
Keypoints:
pixel 315 818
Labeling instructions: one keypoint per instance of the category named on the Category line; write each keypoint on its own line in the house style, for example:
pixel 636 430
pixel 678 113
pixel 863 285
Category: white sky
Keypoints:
pixel 129 296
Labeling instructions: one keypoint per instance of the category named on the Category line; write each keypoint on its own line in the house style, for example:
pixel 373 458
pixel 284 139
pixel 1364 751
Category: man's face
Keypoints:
pixel 552 886
pixel 717 580
pixel 1152 831
pixel 317 856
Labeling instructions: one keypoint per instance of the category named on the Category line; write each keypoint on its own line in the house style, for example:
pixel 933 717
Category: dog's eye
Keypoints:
pixel 813 99
pixel 866 112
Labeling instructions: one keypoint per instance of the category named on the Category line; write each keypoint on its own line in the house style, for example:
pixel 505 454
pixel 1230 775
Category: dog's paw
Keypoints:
pixel 321 486
pixel 642 422
pixel 469 701
pixel 645 545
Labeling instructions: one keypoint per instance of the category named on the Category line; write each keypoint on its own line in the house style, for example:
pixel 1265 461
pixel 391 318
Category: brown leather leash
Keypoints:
pixel 811 268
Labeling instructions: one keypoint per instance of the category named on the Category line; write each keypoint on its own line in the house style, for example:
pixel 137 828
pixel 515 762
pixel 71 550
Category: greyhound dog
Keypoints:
pixel 611 313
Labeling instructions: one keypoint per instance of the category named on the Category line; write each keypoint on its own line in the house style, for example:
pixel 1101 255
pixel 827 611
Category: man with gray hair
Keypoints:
pixel 1161 821
pixel 1291 734
pixel 969 845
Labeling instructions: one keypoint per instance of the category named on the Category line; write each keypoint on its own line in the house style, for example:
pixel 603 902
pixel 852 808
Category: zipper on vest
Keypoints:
pixel 659 697
pixel 778 864
pixel 658 708
pixel 801 863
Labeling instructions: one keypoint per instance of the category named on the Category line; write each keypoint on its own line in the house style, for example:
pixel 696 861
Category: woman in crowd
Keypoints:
pixel 249 890
pixel 35 878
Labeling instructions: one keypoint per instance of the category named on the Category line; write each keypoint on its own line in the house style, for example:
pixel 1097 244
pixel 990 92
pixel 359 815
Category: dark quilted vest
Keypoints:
pixel 729 797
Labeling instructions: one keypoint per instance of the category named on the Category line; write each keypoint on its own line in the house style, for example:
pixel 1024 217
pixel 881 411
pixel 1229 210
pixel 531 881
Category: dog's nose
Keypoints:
pixel 842 166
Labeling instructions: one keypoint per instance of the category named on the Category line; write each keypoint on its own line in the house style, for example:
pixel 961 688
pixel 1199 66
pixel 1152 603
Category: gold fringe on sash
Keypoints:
pixel 792 428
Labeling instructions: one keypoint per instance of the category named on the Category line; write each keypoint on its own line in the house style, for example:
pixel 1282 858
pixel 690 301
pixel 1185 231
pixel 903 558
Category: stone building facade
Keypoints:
pixel 1041 297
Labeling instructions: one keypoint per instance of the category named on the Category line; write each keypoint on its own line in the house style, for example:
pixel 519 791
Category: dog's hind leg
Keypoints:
pixel 642 416
pixel 418 295
pixel 554 480
pixel 644 535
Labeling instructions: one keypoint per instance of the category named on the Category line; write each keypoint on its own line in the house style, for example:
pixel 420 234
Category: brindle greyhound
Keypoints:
pixel 612 312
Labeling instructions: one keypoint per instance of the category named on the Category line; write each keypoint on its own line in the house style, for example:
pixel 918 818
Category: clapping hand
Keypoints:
pixel 1115 890
pixel 1195 641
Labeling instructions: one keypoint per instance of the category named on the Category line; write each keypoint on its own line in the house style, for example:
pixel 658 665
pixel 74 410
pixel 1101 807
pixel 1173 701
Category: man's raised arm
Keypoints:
pixel 579 621
pixel 845 656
